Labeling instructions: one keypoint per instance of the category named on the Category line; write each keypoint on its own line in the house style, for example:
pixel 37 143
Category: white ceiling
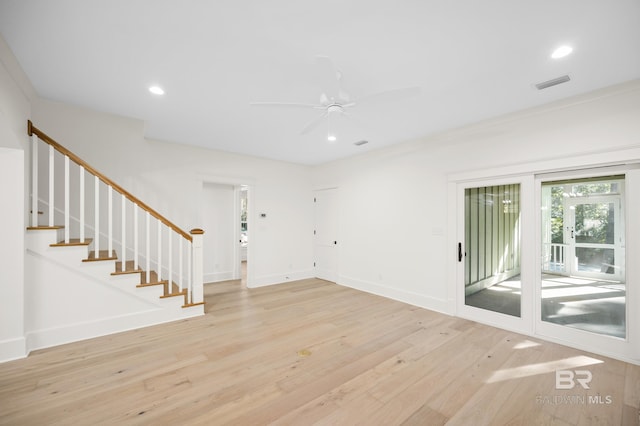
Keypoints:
pixel 472 60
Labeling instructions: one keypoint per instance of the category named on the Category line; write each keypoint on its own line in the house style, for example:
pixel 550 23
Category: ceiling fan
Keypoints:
pixel 335 101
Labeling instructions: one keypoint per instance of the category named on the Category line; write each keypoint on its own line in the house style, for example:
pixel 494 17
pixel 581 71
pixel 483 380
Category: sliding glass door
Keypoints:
pixel 583 282
pixel 492 245
pixel 491 250
pixel 549 255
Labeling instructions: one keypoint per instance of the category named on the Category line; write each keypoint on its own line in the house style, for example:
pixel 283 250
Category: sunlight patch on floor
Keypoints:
pixel 526 344
pixel 541 368
pixel 548 293
pixel 570 280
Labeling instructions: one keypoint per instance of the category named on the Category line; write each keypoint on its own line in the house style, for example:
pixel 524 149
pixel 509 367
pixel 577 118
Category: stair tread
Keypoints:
pixel 153 278
pixel 102 255
pixel 176 294
pixel 40 228
pixel 189 305
pixel 72 242
pixel 152 283
pixel 128 268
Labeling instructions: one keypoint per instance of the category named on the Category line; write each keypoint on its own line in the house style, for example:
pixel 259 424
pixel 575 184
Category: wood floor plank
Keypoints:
pixel 312 352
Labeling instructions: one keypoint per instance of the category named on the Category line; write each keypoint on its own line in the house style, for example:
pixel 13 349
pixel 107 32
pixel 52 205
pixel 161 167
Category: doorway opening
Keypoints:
pixel 225 218
pixel 243 195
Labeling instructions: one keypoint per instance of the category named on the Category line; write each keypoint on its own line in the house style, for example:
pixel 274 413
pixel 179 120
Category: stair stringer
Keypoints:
pixel 67 300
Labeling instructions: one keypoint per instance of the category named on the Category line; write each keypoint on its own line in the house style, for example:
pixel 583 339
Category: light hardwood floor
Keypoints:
pixel 312 352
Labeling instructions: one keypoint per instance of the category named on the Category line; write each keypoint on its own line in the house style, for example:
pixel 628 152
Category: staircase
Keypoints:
pixel 99 260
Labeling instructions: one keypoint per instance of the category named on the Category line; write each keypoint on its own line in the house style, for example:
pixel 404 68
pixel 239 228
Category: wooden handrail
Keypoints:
pixel 31 129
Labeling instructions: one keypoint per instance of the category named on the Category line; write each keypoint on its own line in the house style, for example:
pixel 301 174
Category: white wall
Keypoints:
pixel 15 109
pixel 170 178
pixel 12 342
pixel 220 245
pixel 395 211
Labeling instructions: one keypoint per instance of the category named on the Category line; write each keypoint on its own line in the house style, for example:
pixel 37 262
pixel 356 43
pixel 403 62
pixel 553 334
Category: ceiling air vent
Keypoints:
pixel 553 82
pixel 360 143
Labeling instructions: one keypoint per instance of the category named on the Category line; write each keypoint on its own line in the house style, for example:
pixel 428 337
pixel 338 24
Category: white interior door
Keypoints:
pixel 326 234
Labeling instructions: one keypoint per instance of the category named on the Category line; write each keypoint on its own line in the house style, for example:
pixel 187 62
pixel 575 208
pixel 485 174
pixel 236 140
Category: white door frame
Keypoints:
pixel 237 273
pixel 248 182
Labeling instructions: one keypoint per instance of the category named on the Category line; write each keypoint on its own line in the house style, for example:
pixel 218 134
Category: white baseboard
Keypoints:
pixel 11 349
pixel 281 278
pixel 420 300
pixel 213 277
pixel 40 339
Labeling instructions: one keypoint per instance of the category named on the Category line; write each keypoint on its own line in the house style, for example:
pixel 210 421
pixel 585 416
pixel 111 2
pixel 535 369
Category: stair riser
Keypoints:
pixel 100 268
pixel 41 238
pixel 67 255
pixel 126 281
pixel 152 292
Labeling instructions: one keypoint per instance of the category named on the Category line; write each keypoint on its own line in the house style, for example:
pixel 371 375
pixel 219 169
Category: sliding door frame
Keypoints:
pixel 522 324
pixel 627 348
pixel 530 178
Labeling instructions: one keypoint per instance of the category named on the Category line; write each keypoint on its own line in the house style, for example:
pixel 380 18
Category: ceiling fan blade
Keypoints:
pixel 313 124
pixel 387 96
pixel 328 76
pixel 286 104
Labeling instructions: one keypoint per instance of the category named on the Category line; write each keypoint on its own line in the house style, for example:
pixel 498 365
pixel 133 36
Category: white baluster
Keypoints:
pixel 180 255
pixel 96 232
pixel 148 251
pixel 110 220
pixel 170 261
pixel 159 250
pixel 66 199
pixel 189 272
pixel 124 233
pixel 81 177
pixel 135 236
pixel 51 186
pixel 34 180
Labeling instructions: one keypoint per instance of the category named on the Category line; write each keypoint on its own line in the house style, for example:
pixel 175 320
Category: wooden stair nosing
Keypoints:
pixel 128 268
pixel 189 305
pixel 72 242
pixel 180 293
pixel 151 284
pixel 130 271
pixel 102 255
pixel 43 228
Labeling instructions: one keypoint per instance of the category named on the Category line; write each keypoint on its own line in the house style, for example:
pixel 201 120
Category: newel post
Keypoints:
pixel 197 292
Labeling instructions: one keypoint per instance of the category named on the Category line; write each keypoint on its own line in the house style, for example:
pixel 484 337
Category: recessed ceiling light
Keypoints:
pixel 331 138
pixel 156 90
pixel 561 52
